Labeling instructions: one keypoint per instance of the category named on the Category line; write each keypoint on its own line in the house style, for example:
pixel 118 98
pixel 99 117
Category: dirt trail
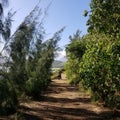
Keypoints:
pixel 63 102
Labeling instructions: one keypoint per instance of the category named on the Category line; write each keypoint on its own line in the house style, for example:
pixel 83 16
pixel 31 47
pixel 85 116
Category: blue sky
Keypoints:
pixel 68 13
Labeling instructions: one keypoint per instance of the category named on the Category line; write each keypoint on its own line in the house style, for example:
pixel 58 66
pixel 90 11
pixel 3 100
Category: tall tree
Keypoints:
pixel 40 63
pixel 8 98
pixel 20 45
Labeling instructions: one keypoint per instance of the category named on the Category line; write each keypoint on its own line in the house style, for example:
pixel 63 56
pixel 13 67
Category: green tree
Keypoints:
pixel 75 51
pixel 94 60
pixel 40 63
pixel 8 98
pixel 31 58
pixel 100 66
pixel 26 66
pixel 104 17
pixel 20 45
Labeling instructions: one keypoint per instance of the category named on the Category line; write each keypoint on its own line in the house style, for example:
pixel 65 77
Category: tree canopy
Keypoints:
pixel 104 16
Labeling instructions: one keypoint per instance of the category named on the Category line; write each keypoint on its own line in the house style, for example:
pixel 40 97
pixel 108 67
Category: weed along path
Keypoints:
pixel 63 102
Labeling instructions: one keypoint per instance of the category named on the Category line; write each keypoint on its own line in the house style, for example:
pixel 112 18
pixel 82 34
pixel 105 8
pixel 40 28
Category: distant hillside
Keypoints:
pixel 58 64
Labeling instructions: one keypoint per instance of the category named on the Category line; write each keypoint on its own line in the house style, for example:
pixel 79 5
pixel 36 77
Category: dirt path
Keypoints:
pixel 63 102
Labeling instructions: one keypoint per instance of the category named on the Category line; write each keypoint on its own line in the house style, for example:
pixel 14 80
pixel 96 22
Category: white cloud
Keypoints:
pixel 60 55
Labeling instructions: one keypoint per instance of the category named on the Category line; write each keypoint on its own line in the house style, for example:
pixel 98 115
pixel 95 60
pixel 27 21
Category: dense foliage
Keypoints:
pixel 104 17
pixel 39 65
pixel 8 98
pixel 99 69
pixel 25 60
pixel 94 59
pixel 75 51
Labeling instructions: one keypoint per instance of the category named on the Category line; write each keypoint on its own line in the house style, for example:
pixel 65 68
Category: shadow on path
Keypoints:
pixel 63 102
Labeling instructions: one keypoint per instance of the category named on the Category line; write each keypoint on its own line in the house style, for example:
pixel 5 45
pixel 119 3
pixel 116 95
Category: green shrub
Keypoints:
pixel 100 66
pixel 75 51
pixel 94 61
pixel 8 98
